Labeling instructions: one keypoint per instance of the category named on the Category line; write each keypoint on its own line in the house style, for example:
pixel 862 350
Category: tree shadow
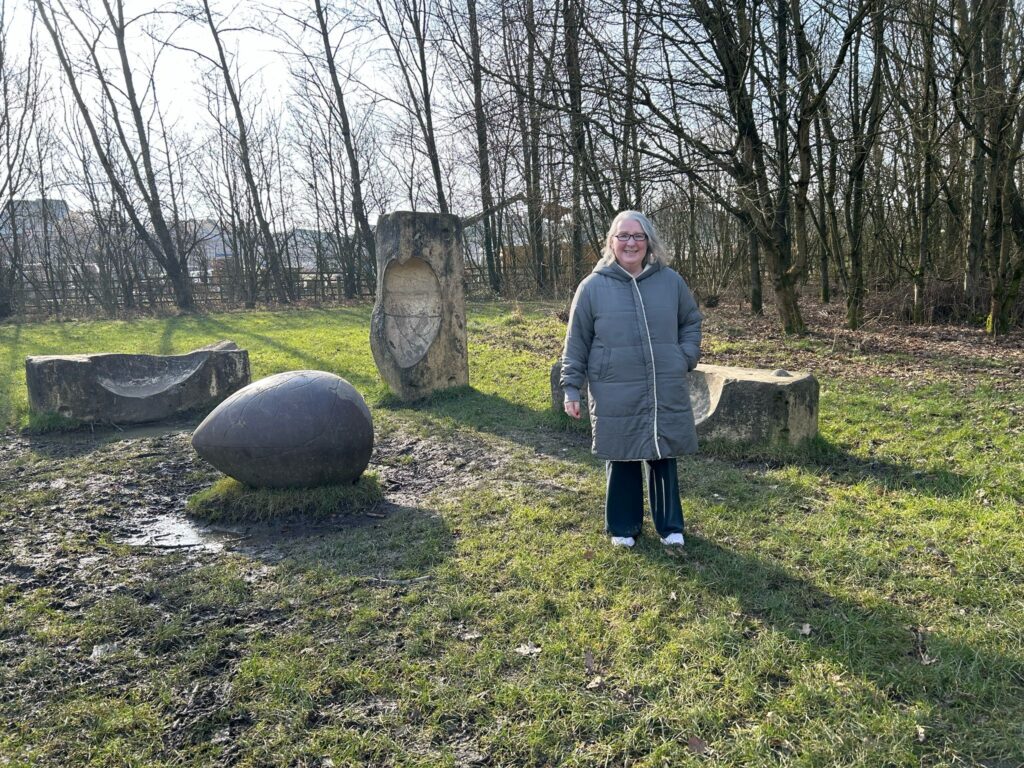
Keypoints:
pixel 823 457
pixel 166 345
pixel 881 642
pixel 394 544
pixel 549 433
pixel 15 358
pixel 311 362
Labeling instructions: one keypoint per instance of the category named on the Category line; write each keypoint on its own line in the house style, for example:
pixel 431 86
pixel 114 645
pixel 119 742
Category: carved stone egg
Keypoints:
pixel 295 429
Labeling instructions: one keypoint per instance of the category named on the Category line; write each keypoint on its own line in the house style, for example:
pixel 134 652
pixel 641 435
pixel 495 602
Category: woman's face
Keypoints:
pixel 630 253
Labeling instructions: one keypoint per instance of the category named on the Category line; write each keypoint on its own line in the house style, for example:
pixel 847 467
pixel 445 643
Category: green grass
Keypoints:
pixel 228 500
pixel 854 602
pixel 332 340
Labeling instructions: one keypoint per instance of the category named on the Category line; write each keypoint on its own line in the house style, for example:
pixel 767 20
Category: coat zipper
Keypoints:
pixel 654 370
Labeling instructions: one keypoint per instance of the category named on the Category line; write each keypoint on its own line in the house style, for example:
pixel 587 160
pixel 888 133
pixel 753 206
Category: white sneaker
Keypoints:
pixel 673 540
pixel 623 541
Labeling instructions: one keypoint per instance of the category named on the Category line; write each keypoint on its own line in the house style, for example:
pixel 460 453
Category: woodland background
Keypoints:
pixel 865 151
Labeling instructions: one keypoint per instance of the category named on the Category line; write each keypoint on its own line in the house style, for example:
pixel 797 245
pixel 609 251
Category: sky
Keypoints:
pixel 260 53
pixel 262 58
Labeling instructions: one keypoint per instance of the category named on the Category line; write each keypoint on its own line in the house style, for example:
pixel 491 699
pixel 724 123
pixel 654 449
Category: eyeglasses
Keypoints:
pixel 625 237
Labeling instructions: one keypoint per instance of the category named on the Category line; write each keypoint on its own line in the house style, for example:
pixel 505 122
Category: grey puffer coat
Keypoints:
pixel 633 341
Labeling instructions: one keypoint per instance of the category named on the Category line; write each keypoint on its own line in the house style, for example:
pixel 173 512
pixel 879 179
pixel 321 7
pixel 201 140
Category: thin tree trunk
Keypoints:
pixel 358 206
pixel 281 286
pixel 482 150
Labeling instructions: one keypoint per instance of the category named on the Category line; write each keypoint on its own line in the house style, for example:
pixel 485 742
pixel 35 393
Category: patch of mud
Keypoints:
pixel 412 467
pixel 132 486
pixel 177 532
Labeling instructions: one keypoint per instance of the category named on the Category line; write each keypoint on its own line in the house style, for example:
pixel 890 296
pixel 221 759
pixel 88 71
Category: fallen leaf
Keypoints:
pixel 928 660
pixel 697 746
pixel 672 596
pixel 528 649
pixel 920 733
pixel 805 629
pixel 597 682
pixel 470 636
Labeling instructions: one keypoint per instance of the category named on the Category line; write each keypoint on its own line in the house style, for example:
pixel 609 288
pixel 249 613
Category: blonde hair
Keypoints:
pixel 655 250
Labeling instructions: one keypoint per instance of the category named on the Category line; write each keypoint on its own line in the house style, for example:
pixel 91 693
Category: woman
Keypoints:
pixel 634 333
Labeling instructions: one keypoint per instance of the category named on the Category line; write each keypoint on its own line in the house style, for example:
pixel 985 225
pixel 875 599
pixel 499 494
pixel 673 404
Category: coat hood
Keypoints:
pixel 617 272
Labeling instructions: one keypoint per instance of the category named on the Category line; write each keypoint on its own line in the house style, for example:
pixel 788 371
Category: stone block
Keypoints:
pixel 298 429
pixel 131 389
pixel 743 405
pixel 418 325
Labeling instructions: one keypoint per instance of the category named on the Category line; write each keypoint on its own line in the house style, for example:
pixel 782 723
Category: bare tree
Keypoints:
pixel 408 27
pixel 93 30
pixel 20 95
pixel 253 176
pixel 990 106
pixel 461 20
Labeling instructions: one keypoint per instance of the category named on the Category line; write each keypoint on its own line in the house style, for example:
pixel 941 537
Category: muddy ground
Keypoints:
pixel 88 514
pixel 131 487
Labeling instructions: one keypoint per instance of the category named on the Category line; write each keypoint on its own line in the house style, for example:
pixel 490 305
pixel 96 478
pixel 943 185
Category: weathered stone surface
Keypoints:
pixel 745 405
pixel 418 326
pixel 294 429
pixel 131 389
pixel 749 405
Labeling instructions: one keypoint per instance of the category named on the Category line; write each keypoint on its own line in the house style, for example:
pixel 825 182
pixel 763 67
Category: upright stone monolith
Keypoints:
pixel 418 327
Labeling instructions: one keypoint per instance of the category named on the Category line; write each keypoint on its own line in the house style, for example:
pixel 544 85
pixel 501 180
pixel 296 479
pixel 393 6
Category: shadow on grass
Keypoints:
pixel 312 362
pixel 880 642
pixel 548 433
pixel 393 544
pixel 86 438
pixel 15 358
pixel 171 325
pixel 822 457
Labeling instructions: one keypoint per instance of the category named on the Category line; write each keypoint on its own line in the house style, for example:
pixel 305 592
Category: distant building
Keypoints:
pixel 31 219
pixel 214 247
pixel 305 246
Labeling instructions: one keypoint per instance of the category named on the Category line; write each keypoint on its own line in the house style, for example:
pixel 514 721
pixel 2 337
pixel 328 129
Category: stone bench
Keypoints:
pixel 743 405
pixel 131 389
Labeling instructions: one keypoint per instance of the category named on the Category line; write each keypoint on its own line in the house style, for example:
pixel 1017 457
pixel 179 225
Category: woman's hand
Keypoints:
pixel 572 407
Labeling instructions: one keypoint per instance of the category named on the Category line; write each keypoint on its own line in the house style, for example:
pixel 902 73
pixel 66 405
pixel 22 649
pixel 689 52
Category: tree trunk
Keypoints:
pixel 754 262
pixel 573 25
pixel 482 150
pixel 358 206
pixel 281 285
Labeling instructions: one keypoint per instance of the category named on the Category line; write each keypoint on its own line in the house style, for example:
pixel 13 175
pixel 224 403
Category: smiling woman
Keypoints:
pixel 634 333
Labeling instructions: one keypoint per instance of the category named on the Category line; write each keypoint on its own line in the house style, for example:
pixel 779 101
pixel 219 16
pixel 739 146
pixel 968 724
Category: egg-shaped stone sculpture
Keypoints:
pixel 298 429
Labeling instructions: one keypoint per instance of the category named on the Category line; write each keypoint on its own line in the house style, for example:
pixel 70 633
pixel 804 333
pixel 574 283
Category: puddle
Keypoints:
pixel 176 532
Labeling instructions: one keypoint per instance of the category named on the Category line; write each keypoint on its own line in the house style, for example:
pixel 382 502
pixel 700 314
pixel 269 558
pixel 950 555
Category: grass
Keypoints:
pixel 855 602
pixel 228 500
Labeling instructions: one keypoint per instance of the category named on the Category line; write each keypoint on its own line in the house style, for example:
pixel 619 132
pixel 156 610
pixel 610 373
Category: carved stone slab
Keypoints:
pixel 130 389
pixel 294 429
pixel 418 325
pixel 745 405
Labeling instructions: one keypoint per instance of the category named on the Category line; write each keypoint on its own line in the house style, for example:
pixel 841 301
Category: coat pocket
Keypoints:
pixel 599 370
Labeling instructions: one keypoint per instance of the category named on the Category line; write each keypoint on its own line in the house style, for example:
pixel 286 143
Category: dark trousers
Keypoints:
pixel 624 502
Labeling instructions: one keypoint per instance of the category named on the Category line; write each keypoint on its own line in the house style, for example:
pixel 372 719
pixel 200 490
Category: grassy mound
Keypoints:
pixel 228 500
